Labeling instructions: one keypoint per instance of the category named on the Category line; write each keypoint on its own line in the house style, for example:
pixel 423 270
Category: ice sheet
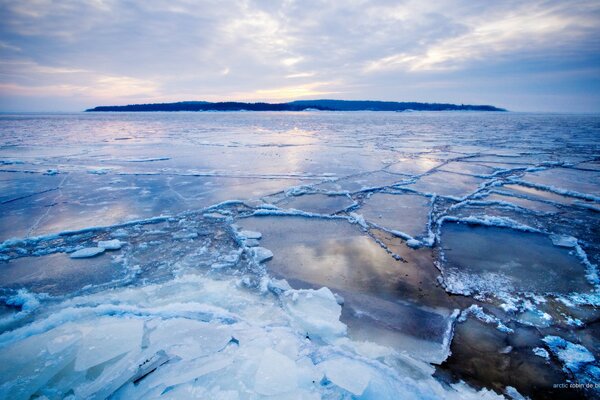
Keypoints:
pixel 171 186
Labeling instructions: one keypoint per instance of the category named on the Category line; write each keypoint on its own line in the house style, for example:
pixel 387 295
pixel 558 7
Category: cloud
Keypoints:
pixel 50 81
pixel 530 27
pixel 295 92
pixel 221 49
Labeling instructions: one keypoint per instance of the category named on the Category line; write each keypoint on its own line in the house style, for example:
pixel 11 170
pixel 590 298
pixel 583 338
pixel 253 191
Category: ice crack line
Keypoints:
pixel 54 202
pixel 28 195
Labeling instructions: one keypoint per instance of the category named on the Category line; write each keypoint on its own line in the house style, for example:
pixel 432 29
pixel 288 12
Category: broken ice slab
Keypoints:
pixel 260 254
pixel 317 203
pixel 422 332
pixel 118 199
pixel 574 357
pixel 250 235
pixel 27 365
pixel 188 339
pixel 107 338
pixel 276 374
pixel 364 181
pixel 87 252
pixel 447 184
pixel 567 180
pixel 332 253
pixel 510 160
pixel 113 244
pixel 315 312
pixel 563 241
pixel 407 213
pixel 592 165
pixel 58 273
pixel 483 259
pixel 336 254
pixel 347 373
pixel 468 168
pixel 535 194
pixel 522 202
pixel 413 166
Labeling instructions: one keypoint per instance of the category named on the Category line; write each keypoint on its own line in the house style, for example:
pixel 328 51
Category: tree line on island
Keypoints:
pixel 298 105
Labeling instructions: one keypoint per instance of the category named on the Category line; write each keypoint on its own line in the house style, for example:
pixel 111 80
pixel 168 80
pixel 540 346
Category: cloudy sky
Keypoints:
pixel 522 55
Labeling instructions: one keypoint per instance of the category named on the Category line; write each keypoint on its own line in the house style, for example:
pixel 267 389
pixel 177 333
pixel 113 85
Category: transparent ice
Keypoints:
pixel 298 255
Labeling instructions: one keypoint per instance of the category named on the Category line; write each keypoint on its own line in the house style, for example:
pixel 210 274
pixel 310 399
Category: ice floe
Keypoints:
pixel 87 252
pixel 113 244
pixel 391 212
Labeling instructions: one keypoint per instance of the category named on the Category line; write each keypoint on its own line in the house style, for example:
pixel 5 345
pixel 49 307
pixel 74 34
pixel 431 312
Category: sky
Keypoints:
pixel 521 55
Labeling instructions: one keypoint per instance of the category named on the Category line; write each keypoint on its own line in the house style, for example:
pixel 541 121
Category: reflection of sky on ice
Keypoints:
pixel 391 211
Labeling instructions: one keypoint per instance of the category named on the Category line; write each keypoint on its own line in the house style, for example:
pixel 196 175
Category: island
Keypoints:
pixel 298 105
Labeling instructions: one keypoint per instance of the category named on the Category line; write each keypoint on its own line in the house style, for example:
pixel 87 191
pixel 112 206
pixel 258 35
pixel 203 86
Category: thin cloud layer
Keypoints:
pixel 69 55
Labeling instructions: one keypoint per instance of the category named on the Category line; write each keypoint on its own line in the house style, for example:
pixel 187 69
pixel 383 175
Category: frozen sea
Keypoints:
pixel 307 255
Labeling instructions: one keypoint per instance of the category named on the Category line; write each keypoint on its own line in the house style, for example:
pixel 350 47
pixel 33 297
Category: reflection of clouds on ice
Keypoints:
pixel 179 217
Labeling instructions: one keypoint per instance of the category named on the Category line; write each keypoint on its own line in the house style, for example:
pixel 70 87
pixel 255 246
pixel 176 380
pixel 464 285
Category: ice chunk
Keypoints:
pixel 115 375
pixel 563 240
pixel 308 373
pixel 250 235
pixel 189 339
pixel 251 242
pixel 540 352
pixel 317 203
pixel 114 244
pixel 87 252
pixel 276 374
pixel 183 235
pixel 150 365
pixel 27 365
pixel 215 215
pixel 181 372
pixel 407 213
pixel 494 260
pixel 315 311
pixel 481 315
pixel 349 374
pixel 107 338
pixel 277 286
pixel 573 356
pixel 261 254
pixel 24 299
pixel 514 394
pixel 413 243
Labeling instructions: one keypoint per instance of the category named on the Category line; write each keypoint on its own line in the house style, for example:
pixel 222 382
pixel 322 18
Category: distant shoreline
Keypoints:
pixel 299 105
